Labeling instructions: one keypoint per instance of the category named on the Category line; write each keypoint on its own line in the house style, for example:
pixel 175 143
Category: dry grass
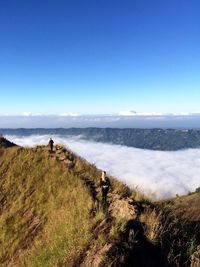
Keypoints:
pixel 182 235
pixel 45 213
pixel 174 228
pixel 153 224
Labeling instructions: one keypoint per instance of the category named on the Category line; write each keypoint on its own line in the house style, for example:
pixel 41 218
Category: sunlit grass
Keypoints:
pixel 46 218
pixel 44 210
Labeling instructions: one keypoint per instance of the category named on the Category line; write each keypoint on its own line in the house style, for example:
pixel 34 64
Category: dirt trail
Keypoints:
pixel 131 248
pixel 63 157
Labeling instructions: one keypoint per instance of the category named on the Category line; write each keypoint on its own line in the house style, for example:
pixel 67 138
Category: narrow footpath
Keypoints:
pixel 129 247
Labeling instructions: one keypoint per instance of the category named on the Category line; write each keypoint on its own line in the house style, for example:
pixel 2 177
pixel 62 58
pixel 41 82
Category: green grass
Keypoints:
pixel 44 210
pixel 45 217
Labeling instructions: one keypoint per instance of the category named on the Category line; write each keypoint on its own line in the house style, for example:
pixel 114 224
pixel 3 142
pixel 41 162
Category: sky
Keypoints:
pixel 99 56
pixel 157 174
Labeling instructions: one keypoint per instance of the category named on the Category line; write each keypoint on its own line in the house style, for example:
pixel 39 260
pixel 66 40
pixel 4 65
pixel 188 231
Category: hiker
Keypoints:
pixel 51 145
pixel 105 185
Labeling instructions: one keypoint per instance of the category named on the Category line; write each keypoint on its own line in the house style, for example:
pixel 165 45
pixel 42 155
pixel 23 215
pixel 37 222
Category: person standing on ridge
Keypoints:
pixel 51 142
pixel 105 185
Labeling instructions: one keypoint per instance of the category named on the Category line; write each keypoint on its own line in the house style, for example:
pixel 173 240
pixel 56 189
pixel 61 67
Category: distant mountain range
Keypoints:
pixel 125 119
pixel 154 139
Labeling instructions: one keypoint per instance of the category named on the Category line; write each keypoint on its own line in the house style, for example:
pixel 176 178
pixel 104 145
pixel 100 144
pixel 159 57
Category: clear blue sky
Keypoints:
pixel 99 56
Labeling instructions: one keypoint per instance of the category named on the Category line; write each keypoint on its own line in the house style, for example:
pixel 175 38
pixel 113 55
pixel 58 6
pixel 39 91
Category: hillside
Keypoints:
pixel 45 210
pixel 5 143
pixel 51 215
pixel 182 221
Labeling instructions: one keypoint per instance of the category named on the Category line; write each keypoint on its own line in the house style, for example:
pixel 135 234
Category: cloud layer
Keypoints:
pixel 157 173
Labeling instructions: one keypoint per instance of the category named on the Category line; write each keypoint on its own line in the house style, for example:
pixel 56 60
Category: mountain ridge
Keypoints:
pixel 5 143
pixel 44 195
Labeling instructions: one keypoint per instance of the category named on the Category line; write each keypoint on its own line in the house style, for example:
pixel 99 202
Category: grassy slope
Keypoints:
pixel 181 228
pixel 44 210
pixel 187 207
pixel 5 143
pixel 44 216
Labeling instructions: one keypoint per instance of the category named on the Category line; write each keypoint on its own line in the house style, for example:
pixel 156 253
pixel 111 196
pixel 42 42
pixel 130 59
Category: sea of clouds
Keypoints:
pixel 159 174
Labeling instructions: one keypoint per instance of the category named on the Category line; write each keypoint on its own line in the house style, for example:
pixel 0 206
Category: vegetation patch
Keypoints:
pixel 51 215
pixel 45 210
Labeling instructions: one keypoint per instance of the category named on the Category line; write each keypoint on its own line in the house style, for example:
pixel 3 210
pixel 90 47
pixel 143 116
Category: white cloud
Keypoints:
pixel 151 114
pixel 27 114
pixel 162 174
pixel 128 113
pixel 69 114
pixel 134 113
pixel 157 114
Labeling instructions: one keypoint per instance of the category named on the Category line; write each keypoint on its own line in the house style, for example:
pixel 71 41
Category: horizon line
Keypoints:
pixel 120 114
